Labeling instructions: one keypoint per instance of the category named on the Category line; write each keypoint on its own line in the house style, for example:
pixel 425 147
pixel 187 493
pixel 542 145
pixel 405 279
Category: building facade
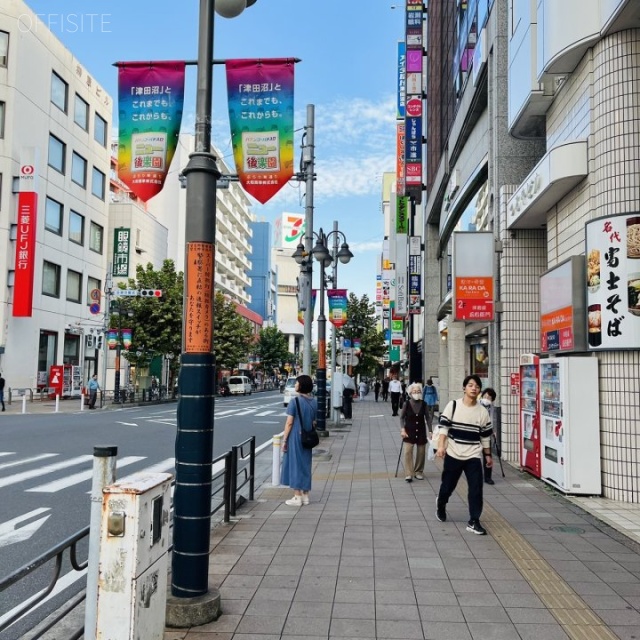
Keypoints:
pixel 262 275
pixel 55 122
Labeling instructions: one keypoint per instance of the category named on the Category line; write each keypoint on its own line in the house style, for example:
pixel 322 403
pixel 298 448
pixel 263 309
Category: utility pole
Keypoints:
pixel 334 282
pixel 308 171
pixel 108 287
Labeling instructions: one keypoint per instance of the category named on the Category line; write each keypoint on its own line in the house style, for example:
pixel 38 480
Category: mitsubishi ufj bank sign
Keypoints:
pixel 473 260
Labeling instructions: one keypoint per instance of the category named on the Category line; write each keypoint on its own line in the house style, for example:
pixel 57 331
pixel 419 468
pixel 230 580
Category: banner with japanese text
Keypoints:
pixel 260 95
pixel 121 238
pixel 337 306
pixel 314 293
pixel 112 338
pixel 150 101
pixel 127 335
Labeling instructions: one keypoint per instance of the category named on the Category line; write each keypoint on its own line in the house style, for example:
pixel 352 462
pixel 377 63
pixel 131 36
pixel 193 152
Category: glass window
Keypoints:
pixel 3 111
pixel 100 130
pixel 57 153
pixel 4 48
pixel 53 216
pixel 92 283
pixel 81 113
pixel 51 279
pixel 47 351
pixel 59 92
pixel 96 233
pixel 97 183
pixel 79 170
pixel 74 286
pixel 71 353
pixel 76 227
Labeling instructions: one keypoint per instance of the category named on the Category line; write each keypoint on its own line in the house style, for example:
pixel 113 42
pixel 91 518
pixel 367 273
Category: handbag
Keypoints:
pixel 309 438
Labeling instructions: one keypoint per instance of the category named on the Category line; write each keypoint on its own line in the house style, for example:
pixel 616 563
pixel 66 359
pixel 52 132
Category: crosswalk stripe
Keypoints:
pixel 76 478
pixel 246 412
pixel 166 465
pixel 15 463
pixel 27 475
pixel 265 413
pixel 7 453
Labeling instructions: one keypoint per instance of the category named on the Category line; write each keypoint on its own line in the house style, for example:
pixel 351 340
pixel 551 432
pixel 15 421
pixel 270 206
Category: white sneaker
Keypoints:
pixel 419 476
pixel 305 498
pixel 296 501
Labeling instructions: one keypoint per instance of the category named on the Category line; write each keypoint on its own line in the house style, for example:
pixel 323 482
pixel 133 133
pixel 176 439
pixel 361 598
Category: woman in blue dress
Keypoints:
pixel 296 461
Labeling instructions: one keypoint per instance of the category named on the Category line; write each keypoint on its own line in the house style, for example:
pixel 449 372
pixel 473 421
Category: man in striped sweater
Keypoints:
pixel 464 438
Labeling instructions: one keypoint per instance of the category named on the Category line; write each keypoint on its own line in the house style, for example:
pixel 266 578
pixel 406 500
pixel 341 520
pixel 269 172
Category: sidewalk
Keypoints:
pixel 368 559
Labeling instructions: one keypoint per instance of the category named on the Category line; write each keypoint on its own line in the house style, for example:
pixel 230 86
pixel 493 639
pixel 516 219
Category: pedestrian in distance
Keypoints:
pixel 2 383
pixel 464 439
pixel 413 421
pixel 376 389
pixel 430 397
pixel 487 399
pixel 363 389
pixel 93 388
pixel 348 390
pixel 395 390
pixel 296 461
pixel 385 389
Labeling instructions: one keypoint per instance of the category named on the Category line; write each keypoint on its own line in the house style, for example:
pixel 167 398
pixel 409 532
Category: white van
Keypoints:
pixel 239 385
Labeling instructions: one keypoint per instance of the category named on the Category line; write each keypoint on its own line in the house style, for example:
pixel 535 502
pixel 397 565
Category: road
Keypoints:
pixel 46 469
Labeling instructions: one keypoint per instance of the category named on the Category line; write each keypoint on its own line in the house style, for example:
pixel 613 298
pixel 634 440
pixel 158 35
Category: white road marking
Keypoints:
pixel 76 478
pixel 27 475
pixel 265 422
pixel 127 424
pixel 7 453
pixel 9 534
pixel 15 463
pixel 264 413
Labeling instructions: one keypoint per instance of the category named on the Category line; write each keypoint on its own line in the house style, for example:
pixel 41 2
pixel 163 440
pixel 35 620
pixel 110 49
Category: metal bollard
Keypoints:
pixel 277 452
pixel 104 474
pixel 57 403
pixel 82 402
pixel 24 403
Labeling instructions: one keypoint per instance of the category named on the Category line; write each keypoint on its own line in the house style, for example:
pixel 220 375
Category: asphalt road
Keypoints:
pixel 46 468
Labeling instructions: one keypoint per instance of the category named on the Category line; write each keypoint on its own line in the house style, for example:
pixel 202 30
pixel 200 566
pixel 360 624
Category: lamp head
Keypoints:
pixel 299 254
pixel 230 8
pixel 320 251
pixel 344 255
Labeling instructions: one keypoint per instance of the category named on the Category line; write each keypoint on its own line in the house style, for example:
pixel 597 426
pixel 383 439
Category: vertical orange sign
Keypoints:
pixel 198 336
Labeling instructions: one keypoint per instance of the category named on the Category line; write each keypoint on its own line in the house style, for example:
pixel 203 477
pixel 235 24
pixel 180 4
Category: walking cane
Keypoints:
pixel 398 465
pixel 495 442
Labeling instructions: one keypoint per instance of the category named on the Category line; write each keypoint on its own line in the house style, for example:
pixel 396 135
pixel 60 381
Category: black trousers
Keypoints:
pixel 347 405
pixel 395 403
pixel 451 472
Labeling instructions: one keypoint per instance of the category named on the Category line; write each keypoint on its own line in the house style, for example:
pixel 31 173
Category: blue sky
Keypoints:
pixel 348 71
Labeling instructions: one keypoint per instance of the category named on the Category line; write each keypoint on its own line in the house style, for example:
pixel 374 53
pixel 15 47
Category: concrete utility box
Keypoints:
pixel 134 543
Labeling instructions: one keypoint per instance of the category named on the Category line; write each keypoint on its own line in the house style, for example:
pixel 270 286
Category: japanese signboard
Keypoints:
pixel 612 277
pixel 415 274
pixel 198 329
pixel 121 237
pixel 473 256
pixel 562 307
pixel 150 99
pixel 260 94
pixel 26 225
pixel 337 306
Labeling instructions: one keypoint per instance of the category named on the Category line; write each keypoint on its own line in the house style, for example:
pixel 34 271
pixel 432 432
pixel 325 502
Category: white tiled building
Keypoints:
pixel 51 104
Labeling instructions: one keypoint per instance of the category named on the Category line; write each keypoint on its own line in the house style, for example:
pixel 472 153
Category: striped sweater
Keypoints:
pixel 468 430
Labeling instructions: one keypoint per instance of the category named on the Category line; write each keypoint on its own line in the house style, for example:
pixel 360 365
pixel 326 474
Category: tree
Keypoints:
pixel 232 334
pixel 272 349
pixel 362 324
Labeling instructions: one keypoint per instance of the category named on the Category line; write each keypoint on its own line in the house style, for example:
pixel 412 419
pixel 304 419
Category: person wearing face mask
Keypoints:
pixel 487 399
pixel 413 421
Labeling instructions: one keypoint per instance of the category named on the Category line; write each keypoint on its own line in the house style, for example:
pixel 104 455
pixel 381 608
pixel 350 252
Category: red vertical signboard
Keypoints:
pixel 26 237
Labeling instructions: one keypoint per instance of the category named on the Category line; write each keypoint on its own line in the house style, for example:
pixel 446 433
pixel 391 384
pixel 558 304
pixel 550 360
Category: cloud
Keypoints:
pixel 365 247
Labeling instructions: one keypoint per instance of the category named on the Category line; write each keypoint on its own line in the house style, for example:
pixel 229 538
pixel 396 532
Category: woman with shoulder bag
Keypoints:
pixel 413 419
pixel 296 461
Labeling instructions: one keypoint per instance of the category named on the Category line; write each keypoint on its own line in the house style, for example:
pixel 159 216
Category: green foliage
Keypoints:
pixel 232 334
pixel 361 323
pixel 272 349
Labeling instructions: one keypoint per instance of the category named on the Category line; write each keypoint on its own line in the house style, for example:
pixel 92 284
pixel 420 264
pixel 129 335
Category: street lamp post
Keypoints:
pixel 116 384
pixel 324 257
pixel 194 439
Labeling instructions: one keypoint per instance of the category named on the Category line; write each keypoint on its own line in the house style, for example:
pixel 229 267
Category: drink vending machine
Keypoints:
pixel 530 414
pixel 570 424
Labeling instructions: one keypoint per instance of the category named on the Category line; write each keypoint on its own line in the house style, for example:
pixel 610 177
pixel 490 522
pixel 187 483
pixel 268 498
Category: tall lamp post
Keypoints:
pixel 322 254
pixel 194 439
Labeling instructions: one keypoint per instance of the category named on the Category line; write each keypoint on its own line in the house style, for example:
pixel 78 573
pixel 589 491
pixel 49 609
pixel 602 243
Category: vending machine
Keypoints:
pixel 570 424
pixel 530 413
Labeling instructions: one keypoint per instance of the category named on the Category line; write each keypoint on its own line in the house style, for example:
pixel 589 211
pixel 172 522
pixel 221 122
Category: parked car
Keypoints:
pixel 239 385
pixel 289 390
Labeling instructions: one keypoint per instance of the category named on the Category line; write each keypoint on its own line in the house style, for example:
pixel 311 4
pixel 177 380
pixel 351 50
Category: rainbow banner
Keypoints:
pixel 112 338
pixel 126 338
pixel 314 293
pixel 337 306
pixel 260 94
pixel 150 98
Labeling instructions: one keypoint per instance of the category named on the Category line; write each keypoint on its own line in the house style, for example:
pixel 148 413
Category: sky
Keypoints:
pixel 347 70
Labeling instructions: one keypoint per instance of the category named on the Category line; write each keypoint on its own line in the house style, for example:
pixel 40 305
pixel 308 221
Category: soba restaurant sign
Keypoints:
pixel 613 282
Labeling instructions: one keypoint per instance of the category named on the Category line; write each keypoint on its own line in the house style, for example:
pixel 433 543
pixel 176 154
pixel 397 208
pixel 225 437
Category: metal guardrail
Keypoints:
pixel 229 500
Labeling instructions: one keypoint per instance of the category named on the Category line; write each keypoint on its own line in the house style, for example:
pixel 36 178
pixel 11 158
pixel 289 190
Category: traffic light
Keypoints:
pixel 151 293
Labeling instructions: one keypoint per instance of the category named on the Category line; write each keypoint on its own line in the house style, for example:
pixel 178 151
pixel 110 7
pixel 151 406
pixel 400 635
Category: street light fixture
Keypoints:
pixel 326 259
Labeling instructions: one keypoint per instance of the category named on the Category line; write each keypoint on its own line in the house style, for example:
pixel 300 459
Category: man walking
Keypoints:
pixel 430 397
pixel 395 389
pixel 376 389
pixel 385 389
pixel 93 387
pixel 2 391
pixel 465 436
